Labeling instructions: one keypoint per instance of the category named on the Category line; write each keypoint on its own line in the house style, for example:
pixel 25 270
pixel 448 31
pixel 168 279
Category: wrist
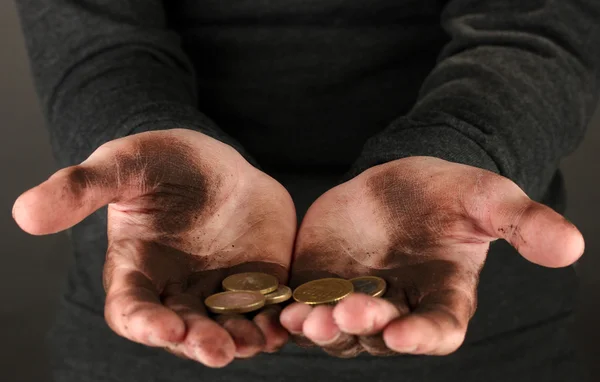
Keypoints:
pixel 414 139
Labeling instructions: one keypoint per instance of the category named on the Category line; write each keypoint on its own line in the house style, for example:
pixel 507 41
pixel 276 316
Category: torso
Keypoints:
pixel 305 83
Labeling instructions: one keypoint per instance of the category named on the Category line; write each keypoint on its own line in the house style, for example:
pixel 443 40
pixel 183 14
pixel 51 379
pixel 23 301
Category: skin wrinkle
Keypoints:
pixel 484 188
pixel 477 197
pixel 225 199
pixel 254 224
pixel 396 209
pixel 346 346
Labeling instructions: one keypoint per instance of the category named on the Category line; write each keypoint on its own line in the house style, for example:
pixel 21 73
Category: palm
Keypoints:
pixel 185 210
pixel 194 225
pixel 422 224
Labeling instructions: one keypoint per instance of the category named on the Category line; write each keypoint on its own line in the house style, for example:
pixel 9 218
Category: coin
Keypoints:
pixel 371 285
pixel 323 291
pixel 251 281
pixel 235 302
pixel 283 293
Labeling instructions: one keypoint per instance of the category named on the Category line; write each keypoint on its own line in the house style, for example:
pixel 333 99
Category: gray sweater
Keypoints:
pixel 500 84
pixel 327 88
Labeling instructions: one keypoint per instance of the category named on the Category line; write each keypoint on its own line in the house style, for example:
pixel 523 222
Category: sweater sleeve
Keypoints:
pixel 105 69
pixel 512 92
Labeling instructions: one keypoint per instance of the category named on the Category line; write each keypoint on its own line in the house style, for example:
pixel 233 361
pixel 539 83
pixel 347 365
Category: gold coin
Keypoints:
pixel 283 293
pixel 371 285
pixel 252 281
pixel 323 291
pixel 235 302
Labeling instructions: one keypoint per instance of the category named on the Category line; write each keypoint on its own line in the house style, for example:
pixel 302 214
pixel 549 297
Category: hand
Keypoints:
pixel 425 226
pixel 184 211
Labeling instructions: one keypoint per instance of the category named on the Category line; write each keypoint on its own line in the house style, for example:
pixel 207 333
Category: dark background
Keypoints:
pixel 33 268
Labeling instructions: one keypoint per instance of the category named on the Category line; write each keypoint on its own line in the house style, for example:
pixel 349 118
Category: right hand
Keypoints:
pixel 184 211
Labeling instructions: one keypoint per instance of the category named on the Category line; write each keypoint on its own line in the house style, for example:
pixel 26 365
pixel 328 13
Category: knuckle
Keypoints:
pixel 79 181
pixel 350 352
pixel 375 345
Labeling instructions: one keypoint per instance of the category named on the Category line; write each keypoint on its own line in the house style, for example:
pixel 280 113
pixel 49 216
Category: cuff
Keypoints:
pixel 164 117
pixel 406 139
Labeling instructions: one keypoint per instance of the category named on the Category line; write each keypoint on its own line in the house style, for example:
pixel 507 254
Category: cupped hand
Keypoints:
pixel 184 211
pixel 425 226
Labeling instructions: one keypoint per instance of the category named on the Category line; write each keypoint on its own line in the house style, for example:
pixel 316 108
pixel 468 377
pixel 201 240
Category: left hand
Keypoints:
pixel 425 226
pixel 184 212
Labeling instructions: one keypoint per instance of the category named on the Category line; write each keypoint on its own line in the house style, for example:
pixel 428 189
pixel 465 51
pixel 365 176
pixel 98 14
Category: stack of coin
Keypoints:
pixel 332 290
pixel 247 292
pixel 250 291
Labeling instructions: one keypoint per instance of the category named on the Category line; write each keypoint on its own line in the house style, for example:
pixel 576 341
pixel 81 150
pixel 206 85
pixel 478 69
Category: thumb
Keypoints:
pixel 68 196
pixel 540 234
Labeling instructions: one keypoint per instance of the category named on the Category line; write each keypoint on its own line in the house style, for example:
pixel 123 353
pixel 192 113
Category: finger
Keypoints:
pixel 205 340
pixel 133 310
pixel 60 202
pixel 367 316
pixel 539 233
pixel 292 319
pixel 293 316
pixel 73 193
pixel 361 314
pixel 246 335
pixel 320 328
pixel 436 327
pixel 273 332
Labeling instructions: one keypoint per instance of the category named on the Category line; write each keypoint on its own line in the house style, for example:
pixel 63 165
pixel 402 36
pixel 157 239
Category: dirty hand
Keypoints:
pixel 184 211
pixel 425 226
